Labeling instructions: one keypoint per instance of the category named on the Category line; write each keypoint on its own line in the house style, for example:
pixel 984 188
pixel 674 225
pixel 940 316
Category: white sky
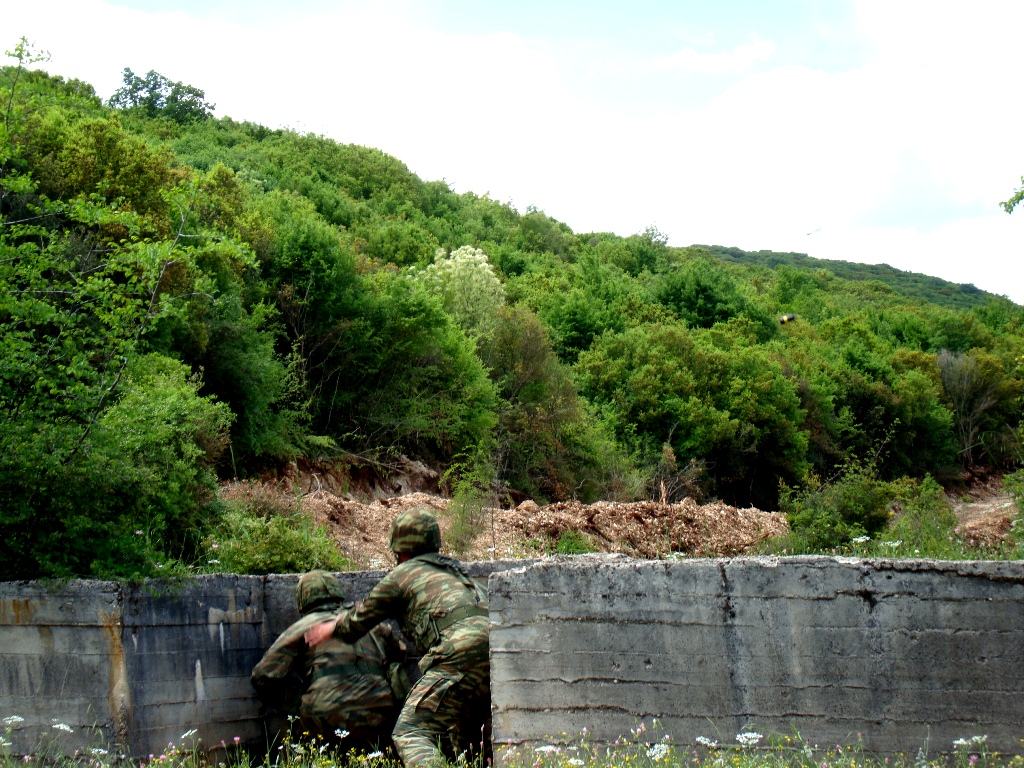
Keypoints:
pixel 889 129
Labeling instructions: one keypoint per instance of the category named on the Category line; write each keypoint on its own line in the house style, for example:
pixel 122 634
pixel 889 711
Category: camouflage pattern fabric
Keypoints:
pixel 443 611
pixel 334 686
pixel 414 532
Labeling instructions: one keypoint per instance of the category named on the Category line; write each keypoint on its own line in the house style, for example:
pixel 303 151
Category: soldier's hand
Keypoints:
pixel 319 632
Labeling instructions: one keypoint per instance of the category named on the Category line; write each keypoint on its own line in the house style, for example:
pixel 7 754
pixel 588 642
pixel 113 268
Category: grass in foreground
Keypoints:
pixel 643 748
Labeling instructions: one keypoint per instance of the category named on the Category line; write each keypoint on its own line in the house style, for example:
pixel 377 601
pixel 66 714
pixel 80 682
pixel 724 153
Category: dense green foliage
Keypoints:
pixel 909 284
pixel 263 532
pixel 183 296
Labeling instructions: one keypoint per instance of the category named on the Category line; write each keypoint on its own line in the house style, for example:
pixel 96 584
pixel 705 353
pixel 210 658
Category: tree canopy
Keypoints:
pixel 186 298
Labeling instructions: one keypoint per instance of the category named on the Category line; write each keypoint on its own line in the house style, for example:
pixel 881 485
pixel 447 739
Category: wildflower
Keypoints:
pixel 574 761
pixel 63 727
pixel 658 751
pixel 138 533
pixel 189 733
pixel 547 748
pixel 215 546
pixel 961 743
pixel 748 738
pixel 973 760
pixel 213 562
pixel 4 743
pixel 704 740
pixel 237 739
pixel 861 539
pixel 340 733
pixel 12 719
pixel 892 544
pixel 374 755
pixel 98 751
pixel 979 739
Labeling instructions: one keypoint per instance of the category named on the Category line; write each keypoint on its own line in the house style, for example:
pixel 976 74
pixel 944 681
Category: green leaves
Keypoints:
pixel 674 386
pixel 1008 205
pixel 156 96
pixel 170 282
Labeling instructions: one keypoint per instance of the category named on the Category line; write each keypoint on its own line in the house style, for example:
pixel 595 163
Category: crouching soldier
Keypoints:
pixel 339 690
pixel 444 613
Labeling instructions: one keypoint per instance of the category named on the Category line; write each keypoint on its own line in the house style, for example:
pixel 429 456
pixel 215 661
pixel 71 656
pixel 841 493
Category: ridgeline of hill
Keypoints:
pixel 909 284
pixel 188 298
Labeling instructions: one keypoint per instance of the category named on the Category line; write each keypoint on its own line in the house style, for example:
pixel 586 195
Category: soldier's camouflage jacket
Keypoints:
pixel 336 684
pixel 439 608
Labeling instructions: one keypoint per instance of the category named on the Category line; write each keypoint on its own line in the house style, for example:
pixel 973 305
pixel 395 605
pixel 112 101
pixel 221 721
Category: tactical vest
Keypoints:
pixel 426 630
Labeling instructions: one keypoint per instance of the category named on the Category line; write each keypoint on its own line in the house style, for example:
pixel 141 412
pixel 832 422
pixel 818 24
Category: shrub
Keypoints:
pixel 468 286
pixel 133 499
pixel 265 532
pixel 472 481
pixel 829 515
pixel 923 525
pixel 574 543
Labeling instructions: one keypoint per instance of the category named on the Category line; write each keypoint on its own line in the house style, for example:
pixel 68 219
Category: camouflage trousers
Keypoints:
pixel 365 730
pixel 445 714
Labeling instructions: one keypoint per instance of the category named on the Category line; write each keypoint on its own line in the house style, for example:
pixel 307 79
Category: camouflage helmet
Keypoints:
pixel 414 532
pixel 317 589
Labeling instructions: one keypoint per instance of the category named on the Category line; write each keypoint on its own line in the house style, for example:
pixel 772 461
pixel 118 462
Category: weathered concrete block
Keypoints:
pixel 897 650
pixel 142 664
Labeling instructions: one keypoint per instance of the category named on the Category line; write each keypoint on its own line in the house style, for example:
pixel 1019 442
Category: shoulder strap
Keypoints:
pixel 449 564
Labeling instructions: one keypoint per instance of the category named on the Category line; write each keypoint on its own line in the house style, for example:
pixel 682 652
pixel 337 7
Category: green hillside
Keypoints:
pixel 188 298
pixel 910 284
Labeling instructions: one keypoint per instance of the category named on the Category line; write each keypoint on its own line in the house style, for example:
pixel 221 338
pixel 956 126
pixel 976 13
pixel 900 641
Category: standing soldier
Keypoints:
pixel 336 687
pixel 444 613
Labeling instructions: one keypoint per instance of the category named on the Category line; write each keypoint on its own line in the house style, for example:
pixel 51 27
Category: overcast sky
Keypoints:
pixel 870 131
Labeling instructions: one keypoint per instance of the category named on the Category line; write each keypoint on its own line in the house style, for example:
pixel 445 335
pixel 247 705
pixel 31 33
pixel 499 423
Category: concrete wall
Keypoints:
pixel 896 650
pixel 139 665
pixel 904 652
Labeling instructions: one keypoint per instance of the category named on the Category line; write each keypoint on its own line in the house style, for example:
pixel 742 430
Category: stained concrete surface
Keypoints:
pixel 904 652
pixel 140 665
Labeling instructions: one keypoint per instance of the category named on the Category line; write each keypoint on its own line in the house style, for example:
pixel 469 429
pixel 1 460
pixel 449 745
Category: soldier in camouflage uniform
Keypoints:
pixel 444 613
pixel 335 687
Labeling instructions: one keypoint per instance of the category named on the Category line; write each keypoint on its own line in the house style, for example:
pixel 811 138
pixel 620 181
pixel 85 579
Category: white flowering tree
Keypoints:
pixel 469 287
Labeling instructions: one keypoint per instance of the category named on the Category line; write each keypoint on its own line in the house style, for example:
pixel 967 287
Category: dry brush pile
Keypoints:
pixel 645 529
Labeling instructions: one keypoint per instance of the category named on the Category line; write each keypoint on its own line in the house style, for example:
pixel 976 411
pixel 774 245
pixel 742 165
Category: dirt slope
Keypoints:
pixel 985 513
pixel 642 529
